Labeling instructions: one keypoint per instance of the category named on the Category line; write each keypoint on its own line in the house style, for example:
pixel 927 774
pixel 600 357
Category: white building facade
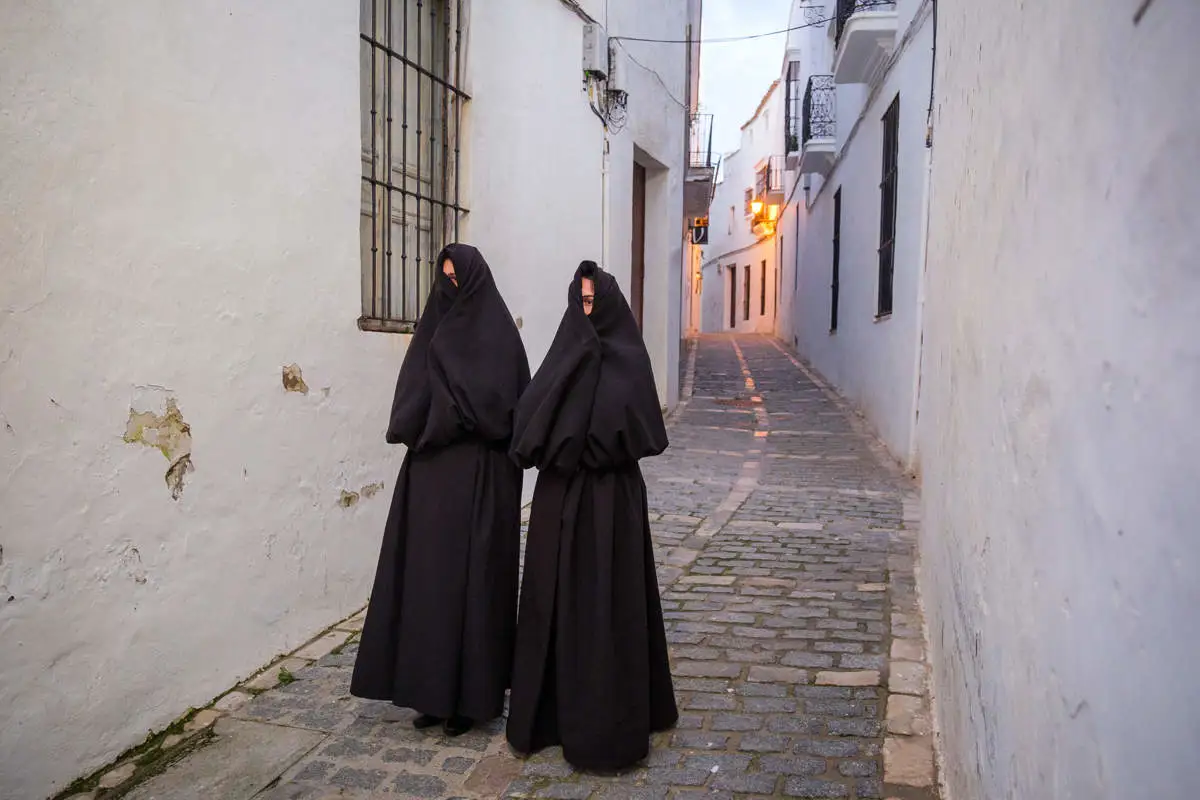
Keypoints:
pixel 995 261
pixel 1060 376
pixel 740 291
pixel 857 83
pixel 217 229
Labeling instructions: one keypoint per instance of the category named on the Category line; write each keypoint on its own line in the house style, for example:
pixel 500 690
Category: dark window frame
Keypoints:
pixel 746 294
pixel 733 287
pixel 778 277
pixel 888 194
pixel 412 100
pixel 762 300
pixel 835 278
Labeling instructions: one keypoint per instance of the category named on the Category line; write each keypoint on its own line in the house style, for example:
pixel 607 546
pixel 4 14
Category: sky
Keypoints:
pixel 733 77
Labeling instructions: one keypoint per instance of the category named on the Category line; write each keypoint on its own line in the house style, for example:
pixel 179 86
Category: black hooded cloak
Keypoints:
pixel 439 631
pixel 590 669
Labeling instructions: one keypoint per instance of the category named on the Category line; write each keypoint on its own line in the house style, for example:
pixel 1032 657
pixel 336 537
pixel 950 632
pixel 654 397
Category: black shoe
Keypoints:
pixel 426 721
pixel 457 726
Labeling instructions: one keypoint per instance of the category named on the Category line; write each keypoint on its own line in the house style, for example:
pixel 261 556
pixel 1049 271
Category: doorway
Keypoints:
pixel 733 296
pixel 637 261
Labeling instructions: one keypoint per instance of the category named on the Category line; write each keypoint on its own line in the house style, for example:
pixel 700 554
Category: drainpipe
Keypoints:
pixel 604 204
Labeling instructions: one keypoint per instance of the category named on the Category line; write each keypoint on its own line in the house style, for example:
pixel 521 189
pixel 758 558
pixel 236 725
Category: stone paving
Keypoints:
pixel 785 544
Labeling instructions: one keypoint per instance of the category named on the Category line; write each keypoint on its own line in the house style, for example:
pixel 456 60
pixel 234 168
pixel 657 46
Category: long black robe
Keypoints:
pixel 591 669
pixel 439 631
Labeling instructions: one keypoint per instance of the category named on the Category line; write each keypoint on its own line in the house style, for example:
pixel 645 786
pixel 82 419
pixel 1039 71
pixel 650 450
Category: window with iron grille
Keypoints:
pixel 887 206
pixel 410 67
pixel 835 283
pixel 749 200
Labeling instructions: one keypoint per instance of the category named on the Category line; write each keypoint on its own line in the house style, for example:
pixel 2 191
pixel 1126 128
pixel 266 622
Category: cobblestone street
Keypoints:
pixel 785 547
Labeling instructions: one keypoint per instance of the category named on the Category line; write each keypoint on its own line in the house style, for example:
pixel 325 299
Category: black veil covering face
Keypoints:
pixel 466 365
pixel 591 669
pixel 439 631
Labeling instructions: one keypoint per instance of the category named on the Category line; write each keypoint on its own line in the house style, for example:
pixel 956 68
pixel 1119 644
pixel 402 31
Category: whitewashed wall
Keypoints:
pixel 176 225
pixel 537 157
pixel 731 240
pixel 1058 404
pixel 872 361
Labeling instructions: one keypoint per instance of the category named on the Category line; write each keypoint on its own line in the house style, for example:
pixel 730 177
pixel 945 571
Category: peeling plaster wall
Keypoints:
pixel 1059 391
pixel 178 219
pixel 179 223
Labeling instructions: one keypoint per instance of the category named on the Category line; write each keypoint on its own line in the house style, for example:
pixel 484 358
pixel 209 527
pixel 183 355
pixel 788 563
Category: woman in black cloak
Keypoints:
pixel 591 669
pixel 439 631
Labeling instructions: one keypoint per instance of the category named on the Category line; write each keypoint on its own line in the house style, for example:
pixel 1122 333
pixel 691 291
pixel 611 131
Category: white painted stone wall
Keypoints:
pixel 1058 406
pixel 180 221
pixel 731 240
pixel 872 361
pixel 537 157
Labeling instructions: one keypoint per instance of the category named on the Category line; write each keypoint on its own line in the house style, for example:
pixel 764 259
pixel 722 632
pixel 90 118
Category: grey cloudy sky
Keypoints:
pixel 734 76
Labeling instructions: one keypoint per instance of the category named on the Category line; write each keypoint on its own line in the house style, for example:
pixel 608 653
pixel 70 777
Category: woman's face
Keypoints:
pixel 588 290
pixel 448 271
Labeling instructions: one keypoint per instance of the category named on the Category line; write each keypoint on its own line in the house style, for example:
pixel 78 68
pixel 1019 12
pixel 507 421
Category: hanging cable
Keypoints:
pixel 749 37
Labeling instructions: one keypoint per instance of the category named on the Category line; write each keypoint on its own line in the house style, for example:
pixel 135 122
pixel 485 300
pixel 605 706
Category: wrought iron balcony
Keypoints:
pixel 819 131
pixel 768 184
pixel 820 108
pixel 700 133
pixel 700 182
pixel 864 33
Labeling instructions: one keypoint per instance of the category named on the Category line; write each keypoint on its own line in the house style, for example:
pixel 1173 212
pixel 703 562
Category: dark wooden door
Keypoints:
pixel 637 277
pixel 733 297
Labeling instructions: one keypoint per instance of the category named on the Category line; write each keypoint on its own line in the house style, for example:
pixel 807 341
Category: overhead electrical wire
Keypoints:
pixel 749 37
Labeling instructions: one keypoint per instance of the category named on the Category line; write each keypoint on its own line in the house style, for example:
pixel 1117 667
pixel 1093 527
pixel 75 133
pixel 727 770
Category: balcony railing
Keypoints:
pixel 818 145
pixel 848 8
pixel 700 136
pixel 820 109
pixel 700 182
pixel 769 180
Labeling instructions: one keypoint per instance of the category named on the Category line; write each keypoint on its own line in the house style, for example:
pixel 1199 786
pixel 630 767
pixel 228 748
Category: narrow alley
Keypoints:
pixel 785 547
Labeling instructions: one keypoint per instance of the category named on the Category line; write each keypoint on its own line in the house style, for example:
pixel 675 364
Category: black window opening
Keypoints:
pixel 746 294
pixel 410 68
pixel 778 279
pixel 793 100
pixel 796 263
pixel 887 207
pixel 837 258
pixel 762 281
pixel 733 296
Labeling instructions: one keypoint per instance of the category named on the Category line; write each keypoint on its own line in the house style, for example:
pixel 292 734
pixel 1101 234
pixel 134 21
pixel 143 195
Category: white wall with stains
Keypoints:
pixel 177 228
pixel 179 223
pixel 1058 400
